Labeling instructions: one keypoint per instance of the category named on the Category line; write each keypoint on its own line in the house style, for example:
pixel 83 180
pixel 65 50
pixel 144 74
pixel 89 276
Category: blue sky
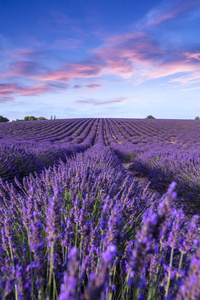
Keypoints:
pixel 96 58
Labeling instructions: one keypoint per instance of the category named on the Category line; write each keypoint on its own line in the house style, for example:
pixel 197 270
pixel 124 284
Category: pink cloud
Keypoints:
pixel 138 55
pixel 30 54
pixel 192 55
pixel 9 91
pixel 116 100
pixel 167 10
pixel 90 86
pixel 117 56
pixel 26 69
pixel 34 90
pixel 7 87
pixel 38 72
pixel 188 79
pixel 100 102
pixel 122 52
pixel 93 86
pixel 82 102
pixel 141 56
pixel 77 86
pixel 163 70
pixel 71 71
pixel 120 38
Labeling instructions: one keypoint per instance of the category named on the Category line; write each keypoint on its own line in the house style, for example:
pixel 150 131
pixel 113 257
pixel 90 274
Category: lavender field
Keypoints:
pixel 76 220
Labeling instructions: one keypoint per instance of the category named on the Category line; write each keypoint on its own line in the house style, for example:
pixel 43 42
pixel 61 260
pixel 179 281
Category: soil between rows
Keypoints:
pixel 144 181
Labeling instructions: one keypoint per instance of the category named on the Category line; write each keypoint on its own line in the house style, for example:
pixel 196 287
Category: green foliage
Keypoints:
pixel 3 119
pixel 150 117
pixel 30 118
pixel 197 118
pixel 42 118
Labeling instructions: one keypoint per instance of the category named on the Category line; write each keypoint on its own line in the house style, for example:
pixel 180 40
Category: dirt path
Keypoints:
pixel 140 178
pixel 189 212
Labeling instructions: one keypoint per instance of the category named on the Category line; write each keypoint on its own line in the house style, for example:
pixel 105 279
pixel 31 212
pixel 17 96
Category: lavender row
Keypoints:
pixel 125 136
pixel 91 136
pixel 162 166
pixel 108 134
pixel 99 140
pixel 48 130
pixel 87 230
pixel 119 137
pixel 69 133
pixel 127 132
pixel 85 132
pixel 20 159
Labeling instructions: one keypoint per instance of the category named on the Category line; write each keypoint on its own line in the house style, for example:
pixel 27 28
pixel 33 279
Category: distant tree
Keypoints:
pixel 3 119
pixel 51 117
pixel 17 120
pixel 150 117
pixel 197 118
pixel 54 117
pixel 30 118
pixel 41 118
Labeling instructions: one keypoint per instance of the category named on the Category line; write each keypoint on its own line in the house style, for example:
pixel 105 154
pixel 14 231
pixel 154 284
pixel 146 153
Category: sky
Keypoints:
pixel 100 58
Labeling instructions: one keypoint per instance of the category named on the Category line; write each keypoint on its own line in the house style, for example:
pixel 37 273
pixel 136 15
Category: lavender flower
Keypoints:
pixel 190 287
pixel 189 235
pixel 152 229
pixel 113 235
pixel 70 284
pixel 38 248
pixel 99 279
pixel 105 214
pixel 54 217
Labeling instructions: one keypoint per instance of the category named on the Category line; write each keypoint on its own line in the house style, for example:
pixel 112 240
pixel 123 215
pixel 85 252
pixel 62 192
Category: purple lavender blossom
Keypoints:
pixel 54 217
pixel 69 287
pixel 99 279
pixel 152 228
pixel 190 287
pixel 113 235
pixel 189 236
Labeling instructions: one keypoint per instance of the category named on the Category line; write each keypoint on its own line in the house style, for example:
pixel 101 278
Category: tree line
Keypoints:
pixel 27 118
pixel 32 118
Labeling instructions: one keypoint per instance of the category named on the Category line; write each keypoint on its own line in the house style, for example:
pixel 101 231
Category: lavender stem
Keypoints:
pixel 169 273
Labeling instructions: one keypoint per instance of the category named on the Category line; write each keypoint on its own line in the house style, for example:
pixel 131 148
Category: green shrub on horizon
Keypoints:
pixel 42 118
pixel 30 118
pixel 150 117
pixel 3 119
